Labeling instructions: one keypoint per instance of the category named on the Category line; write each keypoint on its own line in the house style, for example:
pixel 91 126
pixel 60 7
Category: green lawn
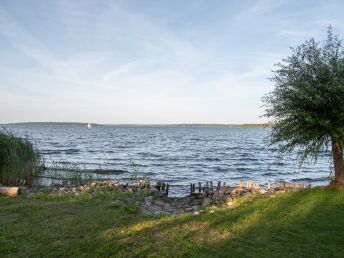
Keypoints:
pixel 303 224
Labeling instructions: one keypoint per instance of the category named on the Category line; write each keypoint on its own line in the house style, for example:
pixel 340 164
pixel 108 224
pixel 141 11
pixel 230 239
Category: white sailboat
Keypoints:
pixel 89 126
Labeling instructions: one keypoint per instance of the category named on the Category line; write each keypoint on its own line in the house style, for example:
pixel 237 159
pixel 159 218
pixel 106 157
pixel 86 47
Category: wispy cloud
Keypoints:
pixel 130 62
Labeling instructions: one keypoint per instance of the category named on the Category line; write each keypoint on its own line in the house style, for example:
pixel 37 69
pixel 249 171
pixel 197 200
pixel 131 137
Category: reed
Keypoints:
pixel 20 161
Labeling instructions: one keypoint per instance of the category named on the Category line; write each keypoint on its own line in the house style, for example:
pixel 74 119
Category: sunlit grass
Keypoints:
pixel 303 224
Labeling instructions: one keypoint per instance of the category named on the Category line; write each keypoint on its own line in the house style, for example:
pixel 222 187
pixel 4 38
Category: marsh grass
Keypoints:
pixel 20 161
pixel 73 173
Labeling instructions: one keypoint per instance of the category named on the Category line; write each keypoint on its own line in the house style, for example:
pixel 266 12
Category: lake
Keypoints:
pixel 177 155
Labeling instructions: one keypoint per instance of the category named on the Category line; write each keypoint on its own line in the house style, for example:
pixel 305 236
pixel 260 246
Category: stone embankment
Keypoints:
pixel 155 200
pixel 198 202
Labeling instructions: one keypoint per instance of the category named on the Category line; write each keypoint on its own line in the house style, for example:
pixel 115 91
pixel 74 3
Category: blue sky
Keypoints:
pixel 149 61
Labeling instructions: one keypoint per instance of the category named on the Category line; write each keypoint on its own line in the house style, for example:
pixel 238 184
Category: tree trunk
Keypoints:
pixel 337 153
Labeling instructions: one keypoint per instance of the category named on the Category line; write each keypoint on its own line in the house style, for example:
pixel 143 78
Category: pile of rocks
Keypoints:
pixel 197 202
pixel 76 189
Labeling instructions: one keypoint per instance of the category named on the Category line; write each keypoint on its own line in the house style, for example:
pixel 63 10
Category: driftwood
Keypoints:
pixel 10 191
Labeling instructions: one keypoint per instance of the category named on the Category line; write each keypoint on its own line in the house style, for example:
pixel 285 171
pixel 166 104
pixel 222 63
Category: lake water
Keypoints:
pixel 178 155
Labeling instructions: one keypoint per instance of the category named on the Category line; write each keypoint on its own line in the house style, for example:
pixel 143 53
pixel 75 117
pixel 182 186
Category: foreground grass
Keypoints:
pixel 303 224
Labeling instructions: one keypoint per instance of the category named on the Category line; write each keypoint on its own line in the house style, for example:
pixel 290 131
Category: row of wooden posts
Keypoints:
pixel 209 186
pixel 161 186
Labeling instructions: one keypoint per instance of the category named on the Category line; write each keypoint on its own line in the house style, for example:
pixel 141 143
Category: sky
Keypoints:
pixel 149 62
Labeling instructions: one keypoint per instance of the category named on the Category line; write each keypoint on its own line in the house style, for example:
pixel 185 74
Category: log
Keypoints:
pixel 10 191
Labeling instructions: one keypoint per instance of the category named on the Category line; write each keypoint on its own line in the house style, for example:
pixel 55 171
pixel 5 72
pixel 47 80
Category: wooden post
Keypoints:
pixel 191 188
pixel 163 186
pixel 211 186
pixel 240 183
pixel 269 185
pixel 257 185
pixel 247 184
pixel 218 186
pixel 167 188
pixel 158 185
pixel 276 184
pixel 224 184
pixel 10 191
pixel 199 187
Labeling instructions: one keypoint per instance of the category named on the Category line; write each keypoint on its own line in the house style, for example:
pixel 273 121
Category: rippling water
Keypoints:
pixel 178 155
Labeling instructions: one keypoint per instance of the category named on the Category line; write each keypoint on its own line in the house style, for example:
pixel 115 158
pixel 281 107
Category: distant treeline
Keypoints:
pixel 51 123
pixel 153 125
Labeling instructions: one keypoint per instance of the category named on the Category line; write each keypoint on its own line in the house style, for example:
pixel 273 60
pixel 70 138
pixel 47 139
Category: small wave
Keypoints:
pixel 212 159
pixel 110 171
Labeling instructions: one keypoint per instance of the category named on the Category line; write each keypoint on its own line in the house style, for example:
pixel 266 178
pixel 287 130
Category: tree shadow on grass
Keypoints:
pixel 308 223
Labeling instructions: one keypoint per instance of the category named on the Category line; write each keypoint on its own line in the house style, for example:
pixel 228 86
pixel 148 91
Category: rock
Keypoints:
pixel 62 189
pixel 206 202
pixel 93 185
pixel 263 191
pixel 185 205
pixel 148 199
pixel 74 189
pixel 188 209
pixel 195 207
pixel 154 208
pixel 212 211
pixel 196 213
pixel 159 203
pixel 167 206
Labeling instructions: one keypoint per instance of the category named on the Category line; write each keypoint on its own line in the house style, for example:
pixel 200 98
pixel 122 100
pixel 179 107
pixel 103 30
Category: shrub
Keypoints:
pixel 20 161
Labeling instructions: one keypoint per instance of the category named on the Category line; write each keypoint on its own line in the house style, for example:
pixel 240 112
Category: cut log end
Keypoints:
pixel 10 191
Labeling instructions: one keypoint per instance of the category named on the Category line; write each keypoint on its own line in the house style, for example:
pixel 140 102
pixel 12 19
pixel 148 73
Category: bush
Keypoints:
pixel 20 161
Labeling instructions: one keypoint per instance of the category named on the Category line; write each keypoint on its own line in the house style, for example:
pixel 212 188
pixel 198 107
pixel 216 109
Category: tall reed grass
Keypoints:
pixel 20 161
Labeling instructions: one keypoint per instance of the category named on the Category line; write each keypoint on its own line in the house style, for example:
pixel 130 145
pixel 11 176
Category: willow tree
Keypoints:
pixel 306 107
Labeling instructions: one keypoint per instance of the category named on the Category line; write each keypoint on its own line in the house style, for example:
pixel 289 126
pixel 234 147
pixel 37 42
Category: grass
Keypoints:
pixel 303 224
pixel 20 162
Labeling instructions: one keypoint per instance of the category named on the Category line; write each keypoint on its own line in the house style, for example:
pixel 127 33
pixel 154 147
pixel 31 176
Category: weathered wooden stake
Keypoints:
pixel 191 188
pixel 247 183
pixel 158 185
pixel 167 188
pixel 163 187
pixel 211 186
pixel 269 184
pixel 218 186
pixel 199 187
pixel 276 184
pixel 240 183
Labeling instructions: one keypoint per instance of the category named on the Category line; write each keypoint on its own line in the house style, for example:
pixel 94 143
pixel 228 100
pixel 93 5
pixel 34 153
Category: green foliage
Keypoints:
pixel 307 104
pixel 20 161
